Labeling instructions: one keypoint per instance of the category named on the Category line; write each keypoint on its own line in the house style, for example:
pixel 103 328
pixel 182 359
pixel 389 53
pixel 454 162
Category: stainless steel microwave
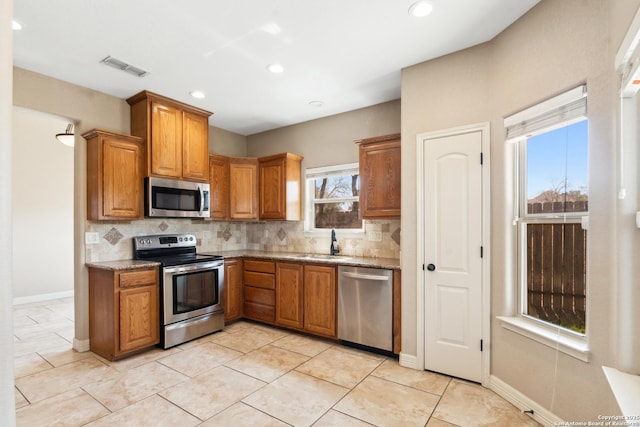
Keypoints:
pixel 171 198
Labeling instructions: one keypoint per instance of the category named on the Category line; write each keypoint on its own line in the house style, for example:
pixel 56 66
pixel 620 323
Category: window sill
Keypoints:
pixel 572 346
pixel 626 389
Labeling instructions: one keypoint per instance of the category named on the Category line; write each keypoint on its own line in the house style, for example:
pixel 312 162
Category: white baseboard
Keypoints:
pixel 522 402
pixel 81 345
pixel 42 297
pixel 408 361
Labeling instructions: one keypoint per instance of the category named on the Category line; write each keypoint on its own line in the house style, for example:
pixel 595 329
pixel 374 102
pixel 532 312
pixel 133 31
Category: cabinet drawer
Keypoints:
pixel 262 280
pixel 260 296
pixel 260 266
pixel 138 278
pixel 259 312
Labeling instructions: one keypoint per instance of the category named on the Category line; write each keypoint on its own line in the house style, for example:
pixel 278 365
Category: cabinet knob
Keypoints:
pixel 431 267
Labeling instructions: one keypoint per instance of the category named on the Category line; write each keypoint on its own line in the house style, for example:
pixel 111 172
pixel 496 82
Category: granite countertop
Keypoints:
pixel 125 264
pixel 389 263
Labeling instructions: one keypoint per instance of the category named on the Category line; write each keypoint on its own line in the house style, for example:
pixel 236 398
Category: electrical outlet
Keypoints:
pixel 91 238
pixel 374 236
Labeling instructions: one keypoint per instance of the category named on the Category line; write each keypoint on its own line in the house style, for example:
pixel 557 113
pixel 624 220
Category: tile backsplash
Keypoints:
pixel 380 240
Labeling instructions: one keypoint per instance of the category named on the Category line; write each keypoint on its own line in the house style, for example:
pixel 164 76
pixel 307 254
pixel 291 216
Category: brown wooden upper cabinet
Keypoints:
pixel 243 188
pixel 176 136
pixel 219 183
pixel 280 187
pixel 380 176
pixel 114 177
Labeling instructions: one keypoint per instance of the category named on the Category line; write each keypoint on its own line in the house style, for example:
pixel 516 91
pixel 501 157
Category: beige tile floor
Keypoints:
pixel 248 375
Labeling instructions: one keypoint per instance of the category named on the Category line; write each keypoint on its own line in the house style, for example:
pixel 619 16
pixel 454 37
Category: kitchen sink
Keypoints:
pixel 324 256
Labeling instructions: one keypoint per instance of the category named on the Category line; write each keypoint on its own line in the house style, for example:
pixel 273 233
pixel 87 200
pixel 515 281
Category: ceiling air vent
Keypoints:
pixel 123 66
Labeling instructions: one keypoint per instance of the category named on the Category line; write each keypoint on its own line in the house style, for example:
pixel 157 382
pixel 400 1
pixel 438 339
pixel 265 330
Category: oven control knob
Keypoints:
pixel 148 241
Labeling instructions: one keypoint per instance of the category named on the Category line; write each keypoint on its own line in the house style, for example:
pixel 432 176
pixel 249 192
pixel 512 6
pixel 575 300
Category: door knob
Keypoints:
pixel 431 267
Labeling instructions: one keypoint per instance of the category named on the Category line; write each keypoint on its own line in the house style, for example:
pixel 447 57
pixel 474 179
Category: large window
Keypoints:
pixel 552 209
pixel 333 198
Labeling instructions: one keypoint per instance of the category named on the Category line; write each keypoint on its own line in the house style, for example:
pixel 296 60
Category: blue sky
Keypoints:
pixel 550 154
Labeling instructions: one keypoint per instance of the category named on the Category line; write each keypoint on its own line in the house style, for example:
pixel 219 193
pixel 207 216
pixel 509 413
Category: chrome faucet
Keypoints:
pixel 334 247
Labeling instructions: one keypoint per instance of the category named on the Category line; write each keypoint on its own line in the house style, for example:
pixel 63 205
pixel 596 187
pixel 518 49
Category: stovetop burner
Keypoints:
pixel 170 249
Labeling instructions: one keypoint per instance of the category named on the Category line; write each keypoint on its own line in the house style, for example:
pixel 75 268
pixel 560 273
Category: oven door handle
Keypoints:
pixel 193 267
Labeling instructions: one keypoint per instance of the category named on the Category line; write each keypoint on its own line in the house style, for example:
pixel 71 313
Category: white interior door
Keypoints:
pixel 453 259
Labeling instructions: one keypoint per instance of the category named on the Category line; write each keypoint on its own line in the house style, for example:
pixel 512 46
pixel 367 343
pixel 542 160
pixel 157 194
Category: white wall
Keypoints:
pixel 42 206
pixel 7 389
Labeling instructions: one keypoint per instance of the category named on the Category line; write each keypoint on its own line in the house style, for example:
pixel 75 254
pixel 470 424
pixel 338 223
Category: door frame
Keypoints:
pixel 421 140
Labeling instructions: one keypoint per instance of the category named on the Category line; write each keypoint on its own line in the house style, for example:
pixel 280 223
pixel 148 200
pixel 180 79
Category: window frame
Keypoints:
pixel 311 174
pixel 558 337
pixel 524 218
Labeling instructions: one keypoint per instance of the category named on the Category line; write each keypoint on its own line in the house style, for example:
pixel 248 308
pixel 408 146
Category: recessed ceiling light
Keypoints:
pixel 15 25
pixel 316 104
pixel 275 68
pixel 197 94
pixel 420 9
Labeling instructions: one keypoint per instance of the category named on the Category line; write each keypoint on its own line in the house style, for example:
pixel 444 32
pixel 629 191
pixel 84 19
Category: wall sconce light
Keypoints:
pixel 67 138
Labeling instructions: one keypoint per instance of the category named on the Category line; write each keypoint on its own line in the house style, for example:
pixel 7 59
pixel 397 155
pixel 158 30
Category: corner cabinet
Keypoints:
pixel 280 180
pixel 176 136
pixel 380 176
pixel 243 188
pixel 123 311
pixel 114 178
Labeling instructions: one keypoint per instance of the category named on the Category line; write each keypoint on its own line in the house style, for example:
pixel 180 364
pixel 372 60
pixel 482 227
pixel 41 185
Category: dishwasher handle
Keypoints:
pixel 364 276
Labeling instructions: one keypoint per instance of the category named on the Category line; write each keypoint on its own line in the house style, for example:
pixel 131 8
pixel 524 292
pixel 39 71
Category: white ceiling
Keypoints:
pixel 345 53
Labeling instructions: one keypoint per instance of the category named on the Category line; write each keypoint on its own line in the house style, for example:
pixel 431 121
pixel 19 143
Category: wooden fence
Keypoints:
pixel 556 270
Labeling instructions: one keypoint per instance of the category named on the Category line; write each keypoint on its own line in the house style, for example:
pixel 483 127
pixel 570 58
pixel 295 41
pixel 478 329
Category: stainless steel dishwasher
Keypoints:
pixel 365 306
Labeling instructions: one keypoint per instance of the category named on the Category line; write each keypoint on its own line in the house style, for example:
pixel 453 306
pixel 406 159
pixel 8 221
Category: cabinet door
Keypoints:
pixel 139 317
pixel 233 288
pixel 380 179
pixel 243 189
pixel 320 299
pixel 195 147
pixel 219 182
pixel 121 179
pixel 166 141
pixel 289 279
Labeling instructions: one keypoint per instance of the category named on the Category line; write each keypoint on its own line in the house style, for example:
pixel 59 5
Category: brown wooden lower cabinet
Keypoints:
pixel 320 293
pixel 259 290
pixel 289 280
pixel 123 311
pixel 233 288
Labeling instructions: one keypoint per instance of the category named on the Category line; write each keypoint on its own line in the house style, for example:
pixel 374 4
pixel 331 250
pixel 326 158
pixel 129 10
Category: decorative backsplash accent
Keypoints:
pixel 113 236
pixel 217 236
pixel 225 234
pixel 396 236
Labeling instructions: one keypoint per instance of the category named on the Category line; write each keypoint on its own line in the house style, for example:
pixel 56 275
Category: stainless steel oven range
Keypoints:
pixel 191 287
